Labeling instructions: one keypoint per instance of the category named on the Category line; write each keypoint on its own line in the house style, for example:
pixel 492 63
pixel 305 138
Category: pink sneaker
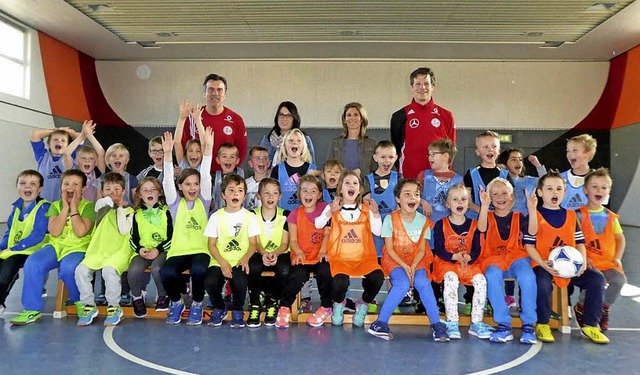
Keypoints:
pixel 511 302
pixel 282 321
pixel 318 318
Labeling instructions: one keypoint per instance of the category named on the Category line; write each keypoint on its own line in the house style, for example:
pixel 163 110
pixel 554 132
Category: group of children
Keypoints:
pixel 475 230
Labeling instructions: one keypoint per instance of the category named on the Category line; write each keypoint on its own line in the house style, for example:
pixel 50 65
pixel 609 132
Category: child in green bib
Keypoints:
pixel 190 212
pixel 233 235
pixel 272 254
pixel 70 229
pixel 108 251
pixel 26 230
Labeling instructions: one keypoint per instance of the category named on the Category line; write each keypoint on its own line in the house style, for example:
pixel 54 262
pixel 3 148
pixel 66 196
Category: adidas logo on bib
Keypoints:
pixel 55 173
pixel 384 208
pixel 351 237
pixel 193 224
pixel 233 245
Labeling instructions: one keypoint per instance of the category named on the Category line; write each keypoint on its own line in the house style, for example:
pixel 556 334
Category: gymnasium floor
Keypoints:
pixel 54 346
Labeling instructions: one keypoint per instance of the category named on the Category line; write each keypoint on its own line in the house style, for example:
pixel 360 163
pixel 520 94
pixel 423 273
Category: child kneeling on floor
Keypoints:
pixel 406 258
pixel 108 251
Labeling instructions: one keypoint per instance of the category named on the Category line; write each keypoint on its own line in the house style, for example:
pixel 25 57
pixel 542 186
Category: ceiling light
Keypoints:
pixel 552 44
pixel 100 8
pixel 534 34
pixel 166 34
pixel 148 44
pixel 601 7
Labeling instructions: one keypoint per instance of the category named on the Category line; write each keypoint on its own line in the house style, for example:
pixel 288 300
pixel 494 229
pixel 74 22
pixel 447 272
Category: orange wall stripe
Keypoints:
pixel 62 77
pixel 628 111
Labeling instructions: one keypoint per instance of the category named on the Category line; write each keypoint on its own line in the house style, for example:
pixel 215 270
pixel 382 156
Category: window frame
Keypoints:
pixel 24 62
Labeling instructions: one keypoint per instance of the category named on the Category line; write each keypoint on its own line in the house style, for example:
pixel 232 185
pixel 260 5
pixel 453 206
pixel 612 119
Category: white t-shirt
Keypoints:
pixel 235 221
pixel 251 200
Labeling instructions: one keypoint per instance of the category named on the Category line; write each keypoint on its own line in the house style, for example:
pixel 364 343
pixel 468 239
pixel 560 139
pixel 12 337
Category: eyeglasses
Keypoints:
pixel 285 115
pixel 156 151
pixel 434 153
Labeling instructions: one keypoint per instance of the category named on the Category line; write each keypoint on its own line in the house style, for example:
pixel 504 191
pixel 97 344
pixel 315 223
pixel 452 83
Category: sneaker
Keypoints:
pixel 503 333
pixel 125 300
pixel 510 301
pixel 271 316
pixel 349 306
pixel 79 308
pixel 453 330
pixel 604 319
pixel 440 332
pixel 420 309
pixel 305 306
pixel 594 334
pixel 162 304
pixel 26 317
pixel 467 308
pixel 195 314
pixel 318 318
pixel 114 315
pixel 217 316
pixel 380 329
pixel 543 332
pixel 480 330
pixel 139 308
pixel 2 308
pixel 337 316
pixel 237 319
pixel 408 299
pixel 284 314
pixel 254 316
pixel 528 335
pixel 44 293
pixel 373 307
pixel 361 313
pixel 579 313
pixel 175 312
pixel 101 300
pixel 87 315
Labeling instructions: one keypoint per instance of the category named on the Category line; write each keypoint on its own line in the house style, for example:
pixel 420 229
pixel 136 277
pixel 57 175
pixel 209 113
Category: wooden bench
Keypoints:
pixel 559 306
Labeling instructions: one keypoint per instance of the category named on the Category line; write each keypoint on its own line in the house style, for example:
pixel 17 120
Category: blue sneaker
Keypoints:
pixel 101 300
pixel 237 319
pixel 175 312
pixel 480 330
pixel 503 333
pixel 114 315
pixel 217 316
pixel 380 329
pixel 361 313
pixel 89 313
pixel 528 335
pixel 195 315
pixel 440 332
pixel 337 314
pixel 453 330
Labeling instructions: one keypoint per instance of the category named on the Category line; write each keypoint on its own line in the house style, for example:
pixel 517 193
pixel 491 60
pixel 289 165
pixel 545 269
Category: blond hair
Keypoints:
pixel 305 155
pixel 115 147
pixel 590 144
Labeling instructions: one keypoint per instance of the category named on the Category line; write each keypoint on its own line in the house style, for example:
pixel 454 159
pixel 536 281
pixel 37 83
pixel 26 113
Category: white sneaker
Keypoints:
pixel 2 307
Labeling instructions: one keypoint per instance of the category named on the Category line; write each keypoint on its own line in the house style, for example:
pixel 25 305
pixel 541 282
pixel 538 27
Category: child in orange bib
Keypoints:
pixel 556 227
pixel 352 251
pixel 457 249
pixel 604 239
pixel 308 254
pixel 406 258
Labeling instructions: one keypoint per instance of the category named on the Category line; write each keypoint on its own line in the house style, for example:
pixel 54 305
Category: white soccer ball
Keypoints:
pixel 566 260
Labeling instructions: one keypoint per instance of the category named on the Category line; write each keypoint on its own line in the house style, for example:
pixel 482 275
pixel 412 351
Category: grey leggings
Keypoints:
pixel 138 278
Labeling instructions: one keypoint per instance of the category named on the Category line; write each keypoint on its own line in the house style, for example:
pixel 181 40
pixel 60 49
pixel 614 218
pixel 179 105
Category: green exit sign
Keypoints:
pixel 504 138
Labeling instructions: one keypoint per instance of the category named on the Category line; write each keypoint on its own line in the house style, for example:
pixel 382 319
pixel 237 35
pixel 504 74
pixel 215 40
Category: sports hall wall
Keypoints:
pixel 538 103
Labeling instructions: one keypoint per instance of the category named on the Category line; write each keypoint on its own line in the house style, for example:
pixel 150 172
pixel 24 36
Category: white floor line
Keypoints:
pixel 516 362
pixel 107 336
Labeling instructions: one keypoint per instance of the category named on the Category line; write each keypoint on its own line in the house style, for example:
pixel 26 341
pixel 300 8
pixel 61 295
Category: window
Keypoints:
pixel 14 67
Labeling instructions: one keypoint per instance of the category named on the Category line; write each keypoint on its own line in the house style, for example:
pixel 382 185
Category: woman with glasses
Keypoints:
pixel 353 148
pixel 286 118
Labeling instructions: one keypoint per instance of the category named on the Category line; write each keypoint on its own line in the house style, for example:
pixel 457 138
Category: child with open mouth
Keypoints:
pixel 228 159
pixel 580 151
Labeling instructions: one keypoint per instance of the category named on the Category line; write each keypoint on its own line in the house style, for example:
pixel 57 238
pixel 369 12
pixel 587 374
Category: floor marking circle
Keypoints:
pixel 107 336
pixel 535 348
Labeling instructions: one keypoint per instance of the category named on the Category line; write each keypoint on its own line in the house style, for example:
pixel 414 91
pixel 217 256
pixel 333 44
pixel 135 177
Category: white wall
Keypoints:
pixel 18 116
pixel 531 95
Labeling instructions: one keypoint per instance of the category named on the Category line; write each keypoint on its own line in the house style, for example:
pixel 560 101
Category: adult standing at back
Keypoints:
pixel 227 126
pixel 415 126
pixel 287 118
pixel 353 148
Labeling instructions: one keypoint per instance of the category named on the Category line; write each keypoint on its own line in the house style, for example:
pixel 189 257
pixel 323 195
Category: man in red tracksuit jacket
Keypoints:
pixel 415 126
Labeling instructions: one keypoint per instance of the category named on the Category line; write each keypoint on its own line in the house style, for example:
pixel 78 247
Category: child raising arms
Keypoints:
pixel 457 249
pixel 406 259
pixel 351 250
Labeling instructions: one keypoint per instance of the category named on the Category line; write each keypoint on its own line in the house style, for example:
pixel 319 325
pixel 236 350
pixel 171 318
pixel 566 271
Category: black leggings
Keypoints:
pixel 172 280
pixel 299 274
pixel 371 283
pixel 9 270
pixel 215 281
pixel 274 286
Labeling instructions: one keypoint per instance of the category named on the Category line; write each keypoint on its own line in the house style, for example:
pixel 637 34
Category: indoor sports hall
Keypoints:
pixel 537 73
